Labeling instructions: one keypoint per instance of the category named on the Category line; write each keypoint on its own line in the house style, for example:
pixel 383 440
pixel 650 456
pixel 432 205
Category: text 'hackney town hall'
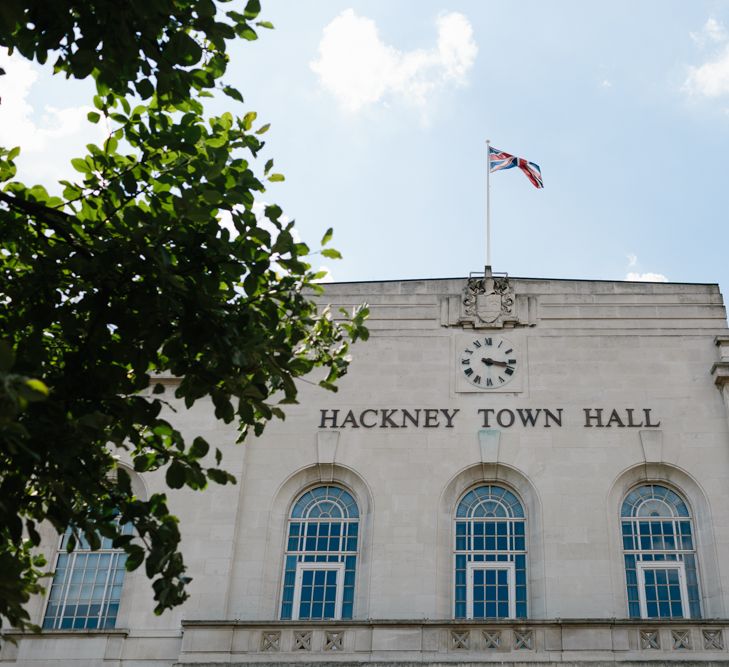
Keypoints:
pixel 514 470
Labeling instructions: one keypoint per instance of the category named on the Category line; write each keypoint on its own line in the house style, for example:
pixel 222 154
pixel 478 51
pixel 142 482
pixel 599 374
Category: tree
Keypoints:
pixel 129 274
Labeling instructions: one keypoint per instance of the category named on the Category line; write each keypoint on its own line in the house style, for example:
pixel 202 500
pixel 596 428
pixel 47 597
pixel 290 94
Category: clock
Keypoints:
pixel 489 362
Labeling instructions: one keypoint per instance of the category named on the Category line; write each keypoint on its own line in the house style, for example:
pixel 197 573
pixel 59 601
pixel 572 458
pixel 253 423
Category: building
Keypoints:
pixel 514 470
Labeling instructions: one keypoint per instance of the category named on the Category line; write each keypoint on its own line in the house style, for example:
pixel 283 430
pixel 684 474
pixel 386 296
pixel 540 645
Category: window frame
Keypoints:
pixel 310 559
pixel 678 557
pixel 318 567
pixel 642 566
pixel 510 568
pixel 501 558
pixel 117 560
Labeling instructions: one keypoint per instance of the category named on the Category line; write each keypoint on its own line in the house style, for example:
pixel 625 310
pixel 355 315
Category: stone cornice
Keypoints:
pixel 720 373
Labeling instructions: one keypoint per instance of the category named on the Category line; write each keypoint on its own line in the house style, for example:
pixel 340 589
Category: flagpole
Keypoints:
pixel 488 202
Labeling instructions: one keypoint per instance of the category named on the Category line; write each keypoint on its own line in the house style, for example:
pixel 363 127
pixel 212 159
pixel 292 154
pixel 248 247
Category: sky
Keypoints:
pixel 380 110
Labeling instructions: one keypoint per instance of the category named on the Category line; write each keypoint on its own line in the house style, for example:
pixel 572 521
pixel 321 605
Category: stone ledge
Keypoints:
pixel 448 642
pixel 720 373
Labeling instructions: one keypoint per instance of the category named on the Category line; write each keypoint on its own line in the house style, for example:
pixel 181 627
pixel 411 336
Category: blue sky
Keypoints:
pixel 380 111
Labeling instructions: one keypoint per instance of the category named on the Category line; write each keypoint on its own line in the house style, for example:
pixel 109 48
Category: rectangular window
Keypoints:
pixel 318 591
pixel 490 591
pixel 662 589
pixel 86 591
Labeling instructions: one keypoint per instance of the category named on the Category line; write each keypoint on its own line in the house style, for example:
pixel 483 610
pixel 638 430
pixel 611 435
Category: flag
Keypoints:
pixel 499 160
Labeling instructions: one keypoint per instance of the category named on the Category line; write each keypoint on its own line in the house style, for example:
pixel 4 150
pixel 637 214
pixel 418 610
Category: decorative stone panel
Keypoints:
pixel 460 640
pixel 713 640
pixel 302 640
pixel 271 641
pixel 334 640
pixel 491 639
pixel 650 640
pixel 681 639
pixel 523 640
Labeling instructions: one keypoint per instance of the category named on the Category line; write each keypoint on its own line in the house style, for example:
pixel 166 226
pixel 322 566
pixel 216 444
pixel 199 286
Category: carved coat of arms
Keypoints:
pixel 488 301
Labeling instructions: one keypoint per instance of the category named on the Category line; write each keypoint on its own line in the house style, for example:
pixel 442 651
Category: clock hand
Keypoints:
pixel 492 362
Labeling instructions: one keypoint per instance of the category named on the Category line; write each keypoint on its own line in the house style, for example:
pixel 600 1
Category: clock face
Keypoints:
pixel 489 362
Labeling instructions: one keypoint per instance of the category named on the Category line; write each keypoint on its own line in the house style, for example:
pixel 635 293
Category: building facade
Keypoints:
pixel 514 470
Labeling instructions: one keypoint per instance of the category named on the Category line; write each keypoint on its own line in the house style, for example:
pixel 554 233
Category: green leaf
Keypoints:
pixel 327 236
pixel 268 166
pixel 176 475
pixel 331 253
pixel 37 386
pixel 263 129
pixel 248 120
pixel 233 93
pixel 265 24
pixel 80 165
pixel 144 88
pixel 253 9
pixel 93 116
pixel 199 448
pixel 275 178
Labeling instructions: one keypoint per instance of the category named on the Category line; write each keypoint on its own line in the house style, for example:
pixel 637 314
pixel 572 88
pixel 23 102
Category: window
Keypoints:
pixel 321 556
pixel 660 556
pixel 490 555
pixel 87 586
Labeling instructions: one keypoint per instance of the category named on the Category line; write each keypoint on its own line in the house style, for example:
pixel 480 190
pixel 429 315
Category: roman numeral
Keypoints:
pixel 469 372
pixel 477 379
pixel 509 371
pixel 466 362
pixel 509 351
pixel 487 341
pixel 489 383
pixel 476 343
pixel 467 351
pixel 511 361
pixel 501 379
pixel 501 342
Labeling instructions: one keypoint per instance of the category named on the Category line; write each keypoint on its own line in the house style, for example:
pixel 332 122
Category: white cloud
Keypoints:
pixel 56 134
pixel 359 69
pixel 712 31
pixel 646 277
pixel 710 79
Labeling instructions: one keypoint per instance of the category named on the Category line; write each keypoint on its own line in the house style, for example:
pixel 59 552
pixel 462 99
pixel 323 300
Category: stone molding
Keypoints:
pixel 583 641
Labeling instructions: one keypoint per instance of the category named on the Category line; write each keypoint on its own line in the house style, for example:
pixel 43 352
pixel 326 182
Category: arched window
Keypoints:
pixel 490 555
pixel 321 556
pixel 660 554
pixel 87 585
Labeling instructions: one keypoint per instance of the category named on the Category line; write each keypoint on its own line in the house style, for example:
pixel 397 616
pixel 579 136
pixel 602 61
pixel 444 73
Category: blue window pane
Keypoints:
pixel 478 610
pixel 305 611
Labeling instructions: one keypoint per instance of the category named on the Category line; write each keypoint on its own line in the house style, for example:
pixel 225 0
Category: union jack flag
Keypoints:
pixel 499 160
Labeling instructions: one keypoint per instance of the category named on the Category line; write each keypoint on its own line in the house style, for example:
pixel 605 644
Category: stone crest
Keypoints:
pixel 488 301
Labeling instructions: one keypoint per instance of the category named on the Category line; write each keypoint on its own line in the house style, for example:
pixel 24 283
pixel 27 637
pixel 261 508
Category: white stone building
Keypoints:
pixel 514 471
